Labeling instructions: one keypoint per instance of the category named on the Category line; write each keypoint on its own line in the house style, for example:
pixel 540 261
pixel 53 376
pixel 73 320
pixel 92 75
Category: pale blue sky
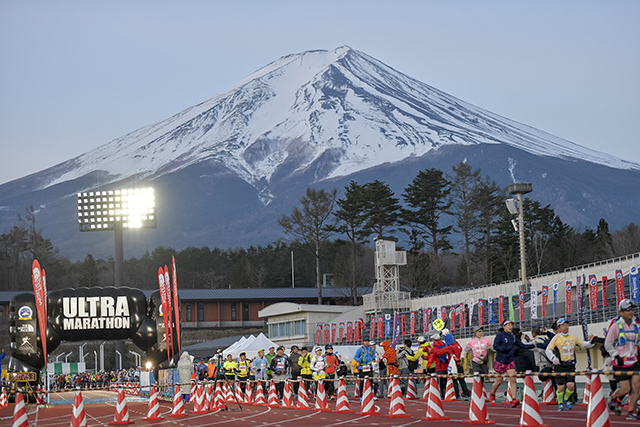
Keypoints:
pixel 77 74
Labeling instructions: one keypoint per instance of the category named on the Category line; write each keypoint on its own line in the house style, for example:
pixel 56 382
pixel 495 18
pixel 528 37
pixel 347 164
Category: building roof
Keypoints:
pixel 290 307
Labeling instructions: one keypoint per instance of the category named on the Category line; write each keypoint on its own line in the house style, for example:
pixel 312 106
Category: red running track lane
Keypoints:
pixel 101 414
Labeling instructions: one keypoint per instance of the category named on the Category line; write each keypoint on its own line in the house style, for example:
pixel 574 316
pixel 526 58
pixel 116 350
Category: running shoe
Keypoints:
pixel 560 407
pixel 492 399
pixel 567 405
pixel 515 403
pixel 633 416
pixel 618 408
pixel 613 402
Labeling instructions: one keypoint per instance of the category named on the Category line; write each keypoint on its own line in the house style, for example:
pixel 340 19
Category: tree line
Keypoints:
pixel 454 226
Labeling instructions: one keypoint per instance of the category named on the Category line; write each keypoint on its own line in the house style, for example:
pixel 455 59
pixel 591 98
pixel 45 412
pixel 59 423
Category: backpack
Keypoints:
pixel 412 364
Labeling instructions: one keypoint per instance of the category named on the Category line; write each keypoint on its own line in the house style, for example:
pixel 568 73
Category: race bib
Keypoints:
pixel 280 366
pixel 243 368
pixel 567 351
pixel 263 366
pixel 320 365
pixel 366 368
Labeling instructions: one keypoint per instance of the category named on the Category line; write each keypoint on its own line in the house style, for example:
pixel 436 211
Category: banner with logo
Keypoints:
pixel 318 333
pixel 568 298
pixel 579 293
pixel 426 320
pixel 534 303
pixel 404 325
pixel 470 313
pixel 334 331
pixel 593 291
pixel 340 332
pixel 387 325
pixel 349 331
pixel 545 297
pixel 521 304
pixel 327 333
pixel 40 296
pixel 167 291
pixel 381 326
pixel 604 290
pixel 396 329
pixel 176 304
pixel 164 309
pixel 556 286
pixel 501 309
pixel 452 318
pixel 480 312
pixel 412 324
pixel 619 287
pixel 512 313
pixel 634 284
pixel 492 320
pixel 444 314
pixel 372 330
pixel 44 288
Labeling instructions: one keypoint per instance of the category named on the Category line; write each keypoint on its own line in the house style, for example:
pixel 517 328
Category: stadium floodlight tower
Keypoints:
pixel 520 189
pixel 116 210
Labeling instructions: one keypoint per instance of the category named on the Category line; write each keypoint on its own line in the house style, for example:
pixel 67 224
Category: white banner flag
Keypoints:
pixel 534 303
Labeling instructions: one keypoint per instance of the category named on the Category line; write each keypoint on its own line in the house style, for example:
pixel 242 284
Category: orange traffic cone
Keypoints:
pixel 549 394
pixel 412 393
pixel 530 410
pixel 597 413
pixel 198 406
pixel 450 394
pixel 273 396
pixel 153 410
pixel 435 411
pixel 20 413
pixel 239 394
pixel 248 395
pixel 356 391
pixel 208 394
pixel 342 404
pixel 178 404
pixel 3 399
pixel 587 391
pixel 303 399
pixel 425 393
pixel 287 396
pixel 121 416
pixel 478 409
pixel 367 407
pixel 78 417
pixel 228 393
pixel 321 398
pixel 259 401
pixel 218 399
pixel 396 408
pixel 41 397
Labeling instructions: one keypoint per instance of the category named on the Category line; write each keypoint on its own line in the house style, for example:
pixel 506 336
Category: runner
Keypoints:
pixel 479 347
pixel 622 344
pixel 561 351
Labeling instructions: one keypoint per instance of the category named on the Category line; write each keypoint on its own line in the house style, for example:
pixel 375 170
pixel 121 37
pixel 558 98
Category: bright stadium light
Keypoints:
pixel 114 209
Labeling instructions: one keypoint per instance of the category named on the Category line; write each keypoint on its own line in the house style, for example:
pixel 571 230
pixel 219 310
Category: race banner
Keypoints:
pixel 472 303
pixel 40 296
pixel 318 333
pixel 372 330
pixel 579 294
pixel 164 307
pixel 593 291
pixel 534 303
pixel 452 318
pixel 555 298
pixel 404 326
pixel 44 288
pixel 412 326
pixel 444 314
pixel 490 308
pixel 167 290
pixel 334 331
pixel 341 332
pixel 634 284
pixel 327 333
pixel 521 304
pixel 396 329
pixel 619 287
pixel 461 310
pixel 512 315
pixel 604 290
pixel 349 331
pixel 501 309
pixel 426 320
pixel 568 299
pixel 380 327
pixel 176 303
pixel 545 297
pixel 480 312
pixel 387 325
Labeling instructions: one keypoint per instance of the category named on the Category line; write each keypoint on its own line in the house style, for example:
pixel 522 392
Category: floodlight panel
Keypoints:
pixel 511 206
pixel 108 210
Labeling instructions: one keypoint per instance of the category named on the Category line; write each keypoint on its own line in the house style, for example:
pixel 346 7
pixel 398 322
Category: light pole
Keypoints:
pixel 520 189
pixel 138 358
pixel 119 360
pixel 58 357
pixel 95 360
pixel 102 356
pixel 81 351
pixel 66 356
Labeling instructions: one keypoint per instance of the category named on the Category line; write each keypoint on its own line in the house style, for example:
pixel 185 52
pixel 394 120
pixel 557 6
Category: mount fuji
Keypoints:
pixel 227 168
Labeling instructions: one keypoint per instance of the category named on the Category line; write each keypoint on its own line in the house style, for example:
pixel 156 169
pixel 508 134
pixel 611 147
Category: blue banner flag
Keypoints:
pixel 555 298
pixel 491 319
pixel 634 284
pixel 387 325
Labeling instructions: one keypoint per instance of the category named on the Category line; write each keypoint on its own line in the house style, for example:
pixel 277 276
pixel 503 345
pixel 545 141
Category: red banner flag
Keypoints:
pixel 341 332
pixel 327 333
pixel 521 300
pixel 480 312
pixel 349 331
pixel 380 327
pixel 413 323
pixel 318 333
pixel 372 331
pixel 46 298
pixel 176 304
pixel 404 325
pixel 501 305
pixel 40 296
pixel 545 297
pixel 593 291
pixel 604 290
pixel 334 331
pixel 163 309
pixel 463 316
pixel 619 287
pixel 452 315
pixel 569 299
pixel 358 330
pixel 167 285
pixel 444 314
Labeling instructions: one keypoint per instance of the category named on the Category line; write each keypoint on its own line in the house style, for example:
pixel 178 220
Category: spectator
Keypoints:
pixel 541 341
pixel 305 367
pixel 364 358
pixel 403 364
pixel 332 364
pixel 185 369
pixel 259 366
pixel 270 357
pixel 294 359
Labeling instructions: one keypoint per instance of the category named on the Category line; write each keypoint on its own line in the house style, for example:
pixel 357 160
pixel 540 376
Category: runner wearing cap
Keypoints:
pixel 479 347
pixel 622 344
pixel 505 345
pixel 259 366
pixel 364 357
pixel 294 358
pixel 331 366
pixel 305 367
pixel 561 351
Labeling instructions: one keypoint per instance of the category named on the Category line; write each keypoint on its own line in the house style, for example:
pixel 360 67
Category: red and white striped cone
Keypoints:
pixel 239 394
pixel 367 407
pixel 78 416
pixel 478 408
pixel 3 399
pixel 321 398
pixel 287 396
pixel 392 383
pixel 259 400
pixel 396 408
pixel 412 393
pixel 303 399
pixel 208 388
pixel 549 394
pixel 228 394
pixel 342 404
pixel 198 407
pixel 153 411
pixel 597 413
pixel 425 393
pixel 273 396
pixel 248 394
pixel 40 397
pixel 450 394
pixel 20 413
pixel 530 409
pixel 121 416
pixel 507 397
pixel 587 391
pixel 178 404
pixel 218 399
pixel 356 391
pixel 435 411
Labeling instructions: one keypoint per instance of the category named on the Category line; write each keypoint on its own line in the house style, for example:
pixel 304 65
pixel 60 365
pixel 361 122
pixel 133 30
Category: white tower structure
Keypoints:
pixel 386 296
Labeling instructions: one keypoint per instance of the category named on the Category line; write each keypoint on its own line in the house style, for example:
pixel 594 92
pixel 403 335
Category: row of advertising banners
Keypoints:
pixel 392 326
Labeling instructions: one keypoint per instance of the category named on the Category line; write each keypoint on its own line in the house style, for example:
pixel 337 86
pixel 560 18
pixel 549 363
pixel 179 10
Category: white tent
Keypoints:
pixel 240 347
pixel 234 346
pixel 251 348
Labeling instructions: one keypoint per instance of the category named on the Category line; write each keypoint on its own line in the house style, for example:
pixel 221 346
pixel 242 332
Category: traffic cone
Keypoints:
pixel 3 399
pixel 239 394
pixel 549 394
pixel 248 395
pixel 587 391
pixel 303 400
pixel 425 393
pixel 367 407
pixel 259 401
pixel 121 416
pixel 342 404
pixel 218 399
pixel 392 383
pixel 178 404
pixel 287 396
pixel 507 397
pixel 321 398
pixel 40 397
pixel 20 413
pixel 530 410
pixel 228 394
pixel 450 394
pixel 597 413
pixel 198 407
pixel 478 407
pixel 396 408
pixel 153 411
pixel 208 394
pixel 78 416
pixel 412 393
pixel 435 411
pixel 273 396
pixel 356 391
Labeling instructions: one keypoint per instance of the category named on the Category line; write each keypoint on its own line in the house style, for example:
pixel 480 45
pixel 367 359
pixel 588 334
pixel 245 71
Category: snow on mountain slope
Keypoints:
pixel 341 106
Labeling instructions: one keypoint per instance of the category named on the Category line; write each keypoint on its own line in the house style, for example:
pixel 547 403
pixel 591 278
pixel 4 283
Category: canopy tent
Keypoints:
pixel 209 348
pixel 251 348
pixel 235 345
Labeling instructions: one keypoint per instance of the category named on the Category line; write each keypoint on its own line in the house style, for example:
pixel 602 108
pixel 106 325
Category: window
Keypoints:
pixel 288 329
pixel 245 311
pixel 234 312
pixel 189 318
pixel 200 312
pixel 300 327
